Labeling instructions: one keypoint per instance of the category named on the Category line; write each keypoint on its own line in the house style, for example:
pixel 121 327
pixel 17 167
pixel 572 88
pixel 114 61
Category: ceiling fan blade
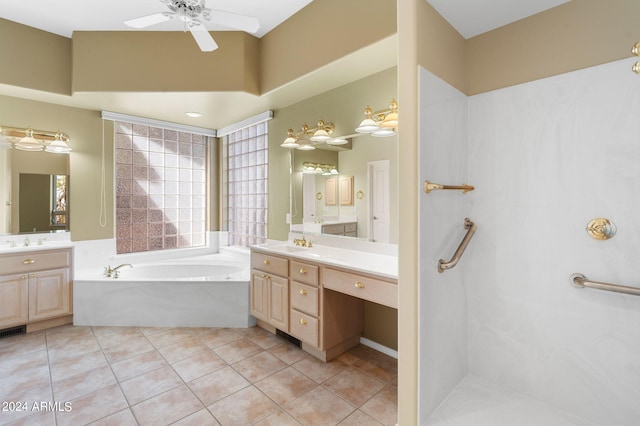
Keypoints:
pixel 149 20
pixel 235 20
pixel 202 37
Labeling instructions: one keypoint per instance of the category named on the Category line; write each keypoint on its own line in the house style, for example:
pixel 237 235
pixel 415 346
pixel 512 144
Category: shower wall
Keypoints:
pixel 443 300
pixel 547 157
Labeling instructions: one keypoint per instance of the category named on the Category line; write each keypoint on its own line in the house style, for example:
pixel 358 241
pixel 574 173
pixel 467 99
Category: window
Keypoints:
pixel 160 188
pixel 246 175
pixel 58 200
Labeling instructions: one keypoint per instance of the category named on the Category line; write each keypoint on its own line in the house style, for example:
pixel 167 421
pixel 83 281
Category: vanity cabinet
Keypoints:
pixel 270 290
pixel 36 289
pixel 346 229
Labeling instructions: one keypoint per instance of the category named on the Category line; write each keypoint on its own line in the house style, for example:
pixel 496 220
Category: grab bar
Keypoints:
pixel 429 186
pixel 442 265
pixel 579 280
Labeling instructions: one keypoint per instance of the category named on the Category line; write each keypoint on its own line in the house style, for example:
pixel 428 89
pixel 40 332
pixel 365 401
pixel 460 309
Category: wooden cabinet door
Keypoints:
pixel 279 303
pixel 49 294
pixel 14 306
pixel 260 295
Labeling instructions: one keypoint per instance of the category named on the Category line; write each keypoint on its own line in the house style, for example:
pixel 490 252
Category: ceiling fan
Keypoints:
pixel 192 13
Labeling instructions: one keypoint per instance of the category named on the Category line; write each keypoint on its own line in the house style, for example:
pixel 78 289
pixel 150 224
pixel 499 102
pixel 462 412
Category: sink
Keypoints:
pixel 290 249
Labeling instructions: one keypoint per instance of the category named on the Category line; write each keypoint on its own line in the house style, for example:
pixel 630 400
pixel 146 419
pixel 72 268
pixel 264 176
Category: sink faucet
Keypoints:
pixel 300 242
pixel 114 272
pixel 26 243
pixel 11 243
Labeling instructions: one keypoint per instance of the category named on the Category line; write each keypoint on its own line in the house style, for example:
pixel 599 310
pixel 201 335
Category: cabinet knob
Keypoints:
pixel 303 321
pixel 265 276
pixel 28 261
pixel 32 275
pixel 267 261
pixel 23 277
pixel 303 271
pixel 359 285
pixel 303 292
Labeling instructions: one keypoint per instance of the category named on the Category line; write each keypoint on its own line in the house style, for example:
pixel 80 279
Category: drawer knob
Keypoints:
pixel 303 292
pixel 359 285
pixel 267 261
pixel 303 271
pixel 23 277
pixel 265 276
pixel 303 321
pixel 32 275
pixel 28 261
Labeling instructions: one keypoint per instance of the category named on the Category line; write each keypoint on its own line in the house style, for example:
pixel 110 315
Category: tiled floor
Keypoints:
pixel 197 376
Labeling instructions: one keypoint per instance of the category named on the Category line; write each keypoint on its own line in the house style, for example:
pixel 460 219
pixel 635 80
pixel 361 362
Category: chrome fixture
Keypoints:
pixel 34 140
pixel 26 242
pixel 380 123
pixel 579 280
pixel 428 187
pixel 114 272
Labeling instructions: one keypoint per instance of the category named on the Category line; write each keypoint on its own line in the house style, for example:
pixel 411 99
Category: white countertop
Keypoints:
pixel 357 260
pixel 34 246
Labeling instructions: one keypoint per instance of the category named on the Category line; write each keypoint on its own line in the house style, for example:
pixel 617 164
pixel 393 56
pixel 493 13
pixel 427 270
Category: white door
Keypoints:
pixel 379 221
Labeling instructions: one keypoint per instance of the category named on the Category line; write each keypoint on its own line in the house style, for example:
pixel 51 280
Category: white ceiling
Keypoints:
pixel 469 17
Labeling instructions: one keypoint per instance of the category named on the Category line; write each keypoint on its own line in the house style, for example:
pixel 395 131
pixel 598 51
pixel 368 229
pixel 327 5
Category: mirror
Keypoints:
pixel 34 192
pixel 357 202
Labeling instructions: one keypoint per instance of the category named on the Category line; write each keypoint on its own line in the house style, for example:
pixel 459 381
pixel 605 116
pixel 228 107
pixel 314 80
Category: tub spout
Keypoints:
pixel 114 272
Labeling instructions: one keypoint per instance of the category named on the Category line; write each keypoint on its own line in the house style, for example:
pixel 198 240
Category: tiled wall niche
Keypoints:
pixel 160 188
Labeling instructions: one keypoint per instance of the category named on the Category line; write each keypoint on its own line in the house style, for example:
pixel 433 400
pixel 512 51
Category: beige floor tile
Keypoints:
pixel 75 386
pixel 129 347
pixel 279 418
pixel 354 386
pixel 244 407
pixel 262 338
pixel 137 365
pixel 169 337
pixel 259 366
pixel 60 336
pixel 383 406
pixel 150 384
pixel 93 406
pixel 286 385
pixel 9 365
pixel 77 364
pixel 185 348
pixel 377 364
pixel 119 336
pixel 358 418
pixel 72 347
pixel 22 344
pixel 28 397
pixel 167 407
pixel 287 352
pixel 198 365
pixel 34 418
pixel 213 338
pixel 148 331
pixel 121 418
pixel 218 385
pixel 200 418
pixel 237 350
pixel 318 370
pixel 320 407
pixel 23 379
pixel 102 330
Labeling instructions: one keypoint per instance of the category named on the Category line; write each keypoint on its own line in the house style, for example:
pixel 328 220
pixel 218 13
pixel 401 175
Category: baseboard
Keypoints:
pixel 378 347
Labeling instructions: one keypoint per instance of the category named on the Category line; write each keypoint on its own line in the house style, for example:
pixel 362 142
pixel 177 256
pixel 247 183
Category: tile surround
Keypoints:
pixel 189 376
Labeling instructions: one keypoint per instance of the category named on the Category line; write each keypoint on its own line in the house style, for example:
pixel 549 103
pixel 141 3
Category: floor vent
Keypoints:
pixel 288 337
pixel 13 331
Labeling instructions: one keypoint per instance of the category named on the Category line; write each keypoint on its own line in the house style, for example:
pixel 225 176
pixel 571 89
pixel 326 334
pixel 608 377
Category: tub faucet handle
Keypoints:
pixel 107 271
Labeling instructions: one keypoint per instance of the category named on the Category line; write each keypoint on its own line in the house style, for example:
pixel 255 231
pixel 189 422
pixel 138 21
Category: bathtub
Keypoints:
pixel 201 291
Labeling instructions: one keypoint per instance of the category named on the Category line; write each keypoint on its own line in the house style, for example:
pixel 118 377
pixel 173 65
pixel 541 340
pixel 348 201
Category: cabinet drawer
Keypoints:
pixel 367 288
pixel 272 264
pixel 333 229
pixel 303 272
pixel 304 298
pixel 350 227
pixel 35 261
pixel 304 327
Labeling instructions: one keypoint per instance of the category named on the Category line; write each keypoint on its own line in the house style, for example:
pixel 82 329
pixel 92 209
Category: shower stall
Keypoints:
pixel 507 333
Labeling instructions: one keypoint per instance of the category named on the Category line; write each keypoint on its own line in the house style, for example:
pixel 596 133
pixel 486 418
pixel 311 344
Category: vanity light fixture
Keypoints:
pixel 34 140
pixel 319 168
pixel 380 123
pixel 306 138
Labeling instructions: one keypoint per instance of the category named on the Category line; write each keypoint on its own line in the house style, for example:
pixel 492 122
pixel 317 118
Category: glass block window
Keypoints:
pixel 246 183
pixel 160 188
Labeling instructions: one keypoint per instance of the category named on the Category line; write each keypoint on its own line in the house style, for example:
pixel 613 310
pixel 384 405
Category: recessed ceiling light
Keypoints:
pixel 194 114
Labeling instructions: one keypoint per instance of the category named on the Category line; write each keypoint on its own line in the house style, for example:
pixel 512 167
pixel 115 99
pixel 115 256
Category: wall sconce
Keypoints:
pixel 317 169
pixel 307 137
pixel 34 140
pixel 380 123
